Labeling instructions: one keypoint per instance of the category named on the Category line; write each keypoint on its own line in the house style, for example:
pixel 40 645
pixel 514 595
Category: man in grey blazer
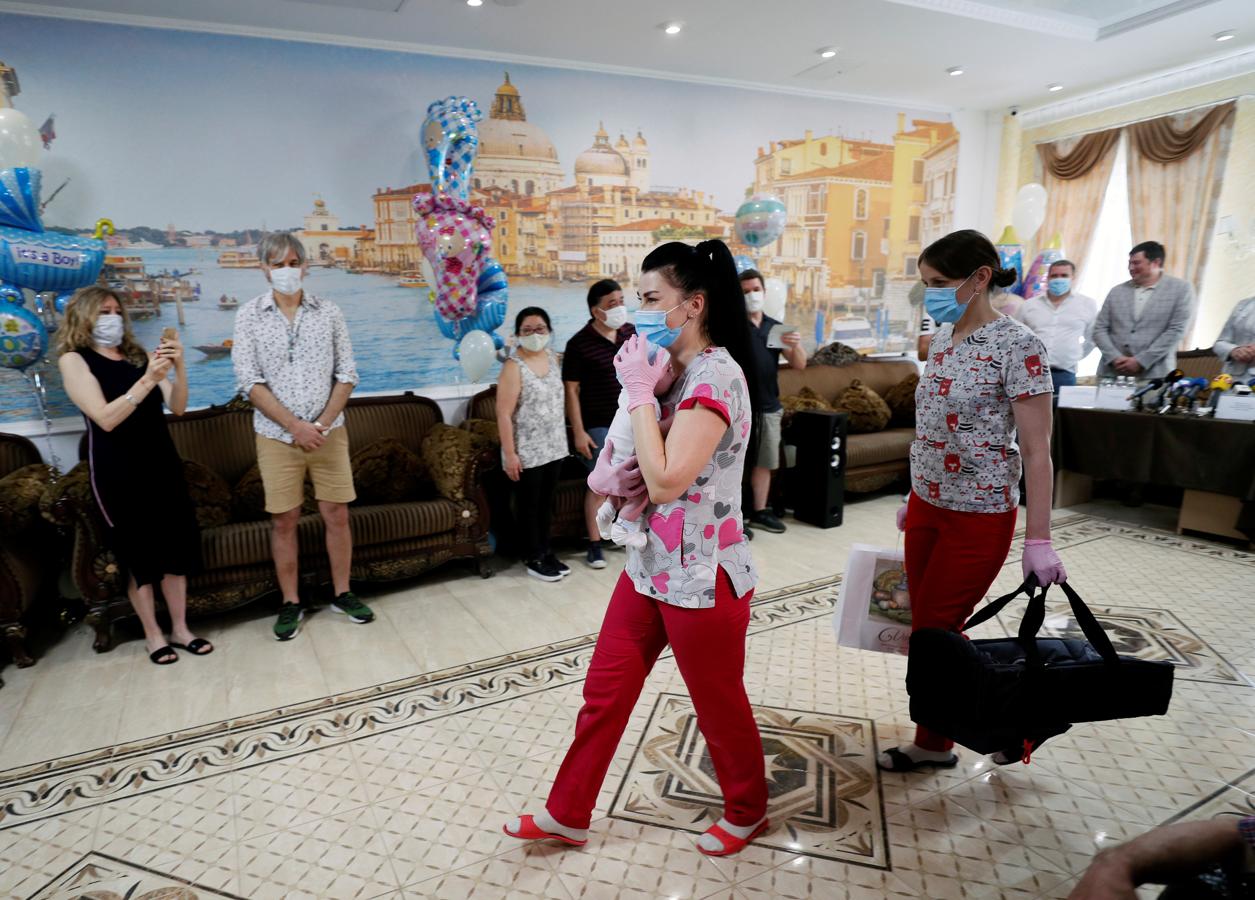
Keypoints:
pixel 1144 319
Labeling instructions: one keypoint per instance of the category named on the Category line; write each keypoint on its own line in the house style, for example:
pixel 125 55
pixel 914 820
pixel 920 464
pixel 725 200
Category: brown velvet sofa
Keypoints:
pixel 30 547
pixel 392 541
pixel 875 460
pixel 568 501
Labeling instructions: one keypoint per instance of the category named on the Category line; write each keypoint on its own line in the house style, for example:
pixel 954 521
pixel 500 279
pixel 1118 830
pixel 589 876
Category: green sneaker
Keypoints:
pixel 289 621
pixel 355 609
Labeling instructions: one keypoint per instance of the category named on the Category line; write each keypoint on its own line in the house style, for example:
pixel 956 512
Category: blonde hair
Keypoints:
pixel 81 313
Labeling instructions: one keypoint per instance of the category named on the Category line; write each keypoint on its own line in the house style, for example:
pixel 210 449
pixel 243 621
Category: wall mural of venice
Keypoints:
pixel 583 173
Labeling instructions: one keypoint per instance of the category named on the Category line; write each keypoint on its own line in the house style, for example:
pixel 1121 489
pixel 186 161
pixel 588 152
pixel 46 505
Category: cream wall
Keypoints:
pixel 1226 280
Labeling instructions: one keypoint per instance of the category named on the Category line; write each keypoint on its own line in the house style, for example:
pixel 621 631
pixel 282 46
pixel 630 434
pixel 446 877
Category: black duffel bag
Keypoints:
pixel 1010 694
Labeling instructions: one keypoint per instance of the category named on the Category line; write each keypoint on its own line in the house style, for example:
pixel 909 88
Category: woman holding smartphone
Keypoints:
pixel 136 473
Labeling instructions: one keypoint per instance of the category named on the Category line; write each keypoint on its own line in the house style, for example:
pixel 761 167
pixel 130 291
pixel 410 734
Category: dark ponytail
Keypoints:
pixel 709 269
pixel 960 253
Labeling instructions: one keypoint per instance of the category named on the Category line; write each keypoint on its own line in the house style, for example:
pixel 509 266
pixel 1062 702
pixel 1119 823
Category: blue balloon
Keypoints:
pixel 49 260
pixel 743 262
pixel 491 278
pixel 19 198
pixel 490 310
pixel 23 337
pixel 62 301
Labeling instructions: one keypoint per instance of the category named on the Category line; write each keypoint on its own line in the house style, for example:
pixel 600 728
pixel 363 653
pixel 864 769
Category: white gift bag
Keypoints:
pixel 874 612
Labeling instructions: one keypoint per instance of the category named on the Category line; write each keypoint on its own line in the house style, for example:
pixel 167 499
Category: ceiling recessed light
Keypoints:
pixel 474 2
pixel 954 71
pixel 672 27
pixel 827 52
pixel 1225 35
pixel 1054 87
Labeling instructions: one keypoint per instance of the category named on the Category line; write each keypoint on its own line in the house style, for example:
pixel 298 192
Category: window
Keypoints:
pixel 505 232
pixel 878 283
pixel 886 226
pixel 514 185
pixel 530 187
pixel 324 227
pixel 812 243
pixel 860 203
pixel 917 171
pixel 505 215
pixel 816 196
pixel 858 245
pixel 910 266
pixel 913 229
pixel 823 149
pixel 477 184
pixel 786 166
pixel 505 250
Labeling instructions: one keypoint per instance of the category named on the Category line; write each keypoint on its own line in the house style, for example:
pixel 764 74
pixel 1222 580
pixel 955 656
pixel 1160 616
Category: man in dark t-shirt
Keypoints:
pixel 592 389
pixel 767 367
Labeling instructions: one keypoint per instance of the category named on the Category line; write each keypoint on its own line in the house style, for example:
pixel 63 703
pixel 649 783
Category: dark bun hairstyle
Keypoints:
pixel 960 253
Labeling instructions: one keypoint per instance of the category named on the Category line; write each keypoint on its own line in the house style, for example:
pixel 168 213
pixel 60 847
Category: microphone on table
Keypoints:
pixel 1219 385
pixel 1153 385
pixel 1190 394
pixel 1171 393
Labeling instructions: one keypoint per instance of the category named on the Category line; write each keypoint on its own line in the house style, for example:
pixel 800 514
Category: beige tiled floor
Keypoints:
pixel 381 760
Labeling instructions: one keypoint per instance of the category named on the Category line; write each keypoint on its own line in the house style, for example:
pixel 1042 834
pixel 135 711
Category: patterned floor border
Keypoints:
pixel 54 787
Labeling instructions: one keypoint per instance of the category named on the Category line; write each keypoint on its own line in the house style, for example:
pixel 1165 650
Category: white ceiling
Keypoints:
pixel 890 50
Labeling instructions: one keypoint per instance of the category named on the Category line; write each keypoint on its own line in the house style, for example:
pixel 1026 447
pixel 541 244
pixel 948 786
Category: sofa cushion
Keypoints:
pixel 209 492
pixel 248 499
pixel 834 354
pixel 830 381
pixel 890 445
pixel 74 486
pixel 867 412
pixel 901 401
pixel 20 492
pixel 387 471
pixel 805 399
pixel 485 429
pixel 448 452
pixel 248 543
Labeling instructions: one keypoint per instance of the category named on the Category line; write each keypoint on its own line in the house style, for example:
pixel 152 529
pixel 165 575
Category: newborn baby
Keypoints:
pixel 619 519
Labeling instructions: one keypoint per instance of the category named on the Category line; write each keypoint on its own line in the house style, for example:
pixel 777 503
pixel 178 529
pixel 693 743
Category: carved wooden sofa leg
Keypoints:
pixel 15 637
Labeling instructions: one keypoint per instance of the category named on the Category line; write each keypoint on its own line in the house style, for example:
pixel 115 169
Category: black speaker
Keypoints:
pixel 817 479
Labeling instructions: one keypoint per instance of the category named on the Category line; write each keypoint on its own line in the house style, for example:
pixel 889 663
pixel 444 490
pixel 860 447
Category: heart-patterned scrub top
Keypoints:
pixel 965 455
pixel 689 538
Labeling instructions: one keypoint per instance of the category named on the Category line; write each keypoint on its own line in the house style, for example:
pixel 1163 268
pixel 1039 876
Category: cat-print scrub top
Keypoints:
pixel 693 535
pixel 965 455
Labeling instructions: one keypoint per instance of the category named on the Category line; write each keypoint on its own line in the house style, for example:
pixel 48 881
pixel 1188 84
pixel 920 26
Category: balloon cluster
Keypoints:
pixel 760 220
pixel 1027 217
pixel 470 290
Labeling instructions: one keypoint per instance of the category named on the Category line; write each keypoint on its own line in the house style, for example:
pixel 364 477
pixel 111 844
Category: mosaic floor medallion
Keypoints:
pixel 821 775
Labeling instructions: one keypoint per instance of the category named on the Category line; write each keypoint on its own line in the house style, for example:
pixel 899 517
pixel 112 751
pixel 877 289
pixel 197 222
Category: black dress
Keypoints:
pixel 137 479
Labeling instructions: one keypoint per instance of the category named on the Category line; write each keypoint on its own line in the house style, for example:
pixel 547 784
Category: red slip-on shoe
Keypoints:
pixel 732 844
pixel 530 831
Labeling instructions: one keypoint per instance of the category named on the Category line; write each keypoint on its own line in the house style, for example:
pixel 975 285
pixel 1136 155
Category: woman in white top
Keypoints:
pixel 532 423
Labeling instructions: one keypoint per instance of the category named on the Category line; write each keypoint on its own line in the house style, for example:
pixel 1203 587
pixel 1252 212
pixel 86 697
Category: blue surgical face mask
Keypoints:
pixel 942 302
pixel 651 324
pixel 1057 287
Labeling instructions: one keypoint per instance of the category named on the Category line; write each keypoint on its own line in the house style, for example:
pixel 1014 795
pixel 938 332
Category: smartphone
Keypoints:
pixel 169 333
pixel 775 337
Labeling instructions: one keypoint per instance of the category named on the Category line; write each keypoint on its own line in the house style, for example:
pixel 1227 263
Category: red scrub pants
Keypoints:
pixel 709 646
pixel 951 560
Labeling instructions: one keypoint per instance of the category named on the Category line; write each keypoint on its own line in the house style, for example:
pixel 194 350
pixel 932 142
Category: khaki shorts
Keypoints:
pixel 283 467
pixel 769 441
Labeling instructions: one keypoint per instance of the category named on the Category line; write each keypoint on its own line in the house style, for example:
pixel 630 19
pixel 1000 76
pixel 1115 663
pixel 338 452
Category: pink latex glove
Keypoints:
pixel 638 375
pixel 902 517
pixel 1041 560
pixel 609 480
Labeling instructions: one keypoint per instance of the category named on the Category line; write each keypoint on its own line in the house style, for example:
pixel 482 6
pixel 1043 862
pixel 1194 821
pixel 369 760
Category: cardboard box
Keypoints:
pixel 1210 514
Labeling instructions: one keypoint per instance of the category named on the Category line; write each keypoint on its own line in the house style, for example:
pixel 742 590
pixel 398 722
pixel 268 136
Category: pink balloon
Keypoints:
pixel 456 238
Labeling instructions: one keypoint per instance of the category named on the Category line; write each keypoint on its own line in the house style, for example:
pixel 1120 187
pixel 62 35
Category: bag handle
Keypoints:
pixel 1035 617
pixel 993 607
pixel 1090 627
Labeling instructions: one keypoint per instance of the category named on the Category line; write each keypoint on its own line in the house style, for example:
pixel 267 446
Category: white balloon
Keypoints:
pixel 1032 192
pixel 19 140
pixel 777 297
pixel 477 353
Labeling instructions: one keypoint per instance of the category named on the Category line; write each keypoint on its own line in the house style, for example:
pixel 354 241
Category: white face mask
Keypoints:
pixel 616 317
pixel 754 301
pixel 534 342
pixel 286 280
pixel 108 330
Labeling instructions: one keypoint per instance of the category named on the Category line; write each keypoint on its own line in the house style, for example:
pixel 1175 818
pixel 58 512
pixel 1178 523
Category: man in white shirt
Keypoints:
pixel 1062 319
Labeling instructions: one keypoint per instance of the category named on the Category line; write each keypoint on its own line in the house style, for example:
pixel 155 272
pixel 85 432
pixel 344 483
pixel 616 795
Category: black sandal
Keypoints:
pixel 164 656
pixel 903 763
pixel 195 647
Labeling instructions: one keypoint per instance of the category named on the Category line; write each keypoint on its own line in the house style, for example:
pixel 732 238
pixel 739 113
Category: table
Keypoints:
pixel 1213 458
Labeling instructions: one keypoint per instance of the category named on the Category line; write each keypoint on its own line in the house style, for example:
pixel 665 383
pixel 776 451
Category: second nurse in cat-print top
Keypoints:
pixel 690 586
